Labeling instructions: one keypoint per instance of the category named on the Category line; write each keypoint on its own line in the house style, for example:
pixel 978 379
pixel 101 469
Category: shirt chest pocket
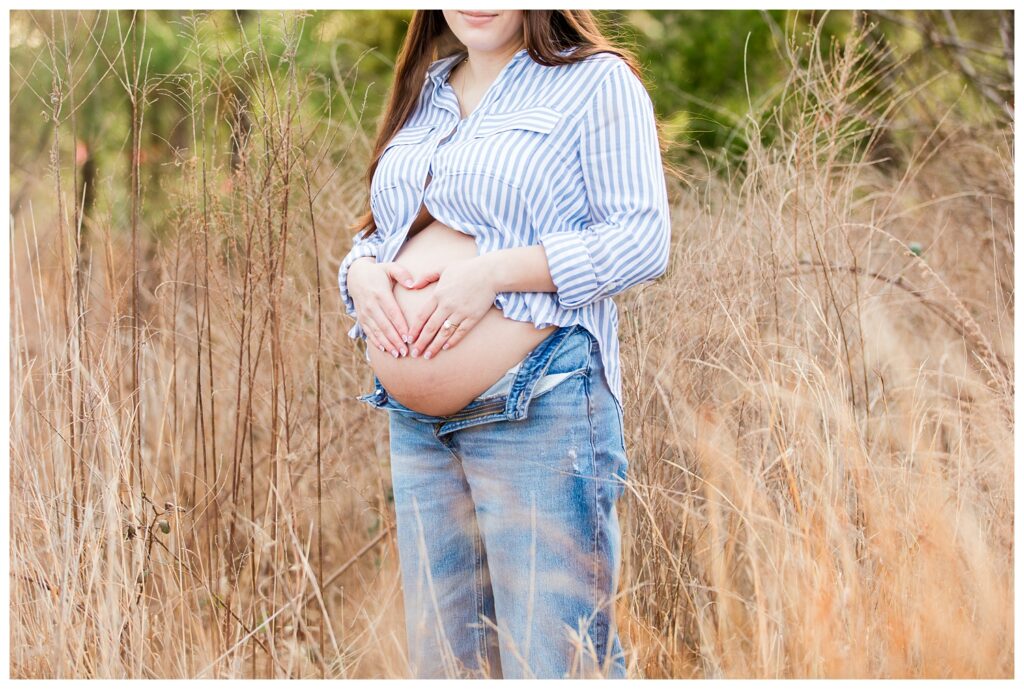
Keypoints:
pixel 513 147
pixel 400 174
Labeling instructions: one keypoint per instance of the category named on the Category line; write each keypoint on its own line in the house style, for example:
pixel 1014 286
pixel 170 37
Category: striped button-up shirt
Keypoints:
pixel 566 157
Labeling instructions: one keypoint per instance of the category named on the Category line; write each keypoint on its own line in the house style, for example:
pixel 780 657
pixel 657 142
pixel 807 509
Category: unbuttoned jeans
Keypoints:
pixel 508 536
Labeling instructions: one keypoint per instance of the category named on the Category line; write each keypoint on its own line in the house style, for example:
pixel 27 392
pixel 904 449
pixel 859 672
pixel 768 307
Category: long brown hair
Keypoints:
pixel 545 33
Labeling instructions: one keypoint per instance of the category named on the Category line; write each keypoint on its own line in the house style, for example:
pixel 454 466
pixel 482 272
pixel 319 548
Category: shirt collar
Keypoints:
pixel 438 70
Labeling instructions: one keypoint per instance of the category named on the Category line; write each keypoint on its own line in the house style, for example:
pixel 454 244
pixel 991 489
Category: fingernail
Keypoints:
pixel 381 347
pixel 394 353
pixel 415 352
pixel 427 355
pixel 403 351
pixel 405 339
pixel 444 346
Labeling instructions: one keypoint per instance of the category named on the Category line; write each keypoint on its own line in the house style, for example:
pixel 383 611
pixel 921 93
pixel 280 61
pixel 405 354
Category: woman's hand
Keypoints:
pixel 371 286
pixel 464 293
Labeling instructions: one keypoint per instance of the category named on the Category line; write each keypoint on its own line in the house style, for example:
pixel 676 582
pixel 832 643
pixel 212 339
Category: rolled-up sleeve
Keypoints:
pixel 627 241
pixel 360 248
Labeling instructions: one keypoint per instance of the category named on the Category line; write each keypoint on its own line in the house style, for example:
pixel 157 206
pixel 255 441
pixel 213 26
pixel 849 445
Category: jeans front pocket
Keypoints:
pixel 573 354
pixel 622 423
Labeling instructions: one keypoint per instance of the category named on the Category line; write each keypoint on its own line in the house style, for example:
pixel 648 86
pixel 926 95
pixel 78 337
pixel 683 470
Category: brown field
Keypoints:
pixel 818 395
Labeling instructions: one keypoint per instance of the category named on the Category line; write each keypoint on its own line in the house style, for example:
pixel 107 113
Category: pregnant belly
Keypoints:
pixel 452 378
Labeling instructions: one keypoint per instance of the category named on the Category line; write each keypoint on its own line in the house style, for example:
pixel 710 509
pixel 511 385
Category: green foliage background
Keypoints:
pixel 709 72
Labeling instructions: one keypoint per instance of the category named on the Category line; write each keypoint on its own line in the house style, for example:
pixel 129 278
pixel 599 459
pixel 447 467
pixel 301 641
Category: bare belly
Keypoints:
pixel 452 378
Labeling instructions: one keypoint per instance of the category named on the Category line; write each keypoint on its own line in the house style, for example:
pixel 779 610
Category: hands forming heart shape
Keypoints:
pixel 463 294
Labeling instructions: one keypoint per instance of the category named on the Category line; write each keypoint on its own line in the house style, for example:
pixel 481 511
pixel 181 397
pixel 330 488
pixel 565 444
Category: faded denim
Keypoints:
pixel 508 535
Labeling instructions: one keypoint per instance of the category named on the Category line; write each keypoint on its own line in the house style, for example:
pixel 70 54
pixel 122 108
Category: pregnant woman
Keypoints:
pixel 516 187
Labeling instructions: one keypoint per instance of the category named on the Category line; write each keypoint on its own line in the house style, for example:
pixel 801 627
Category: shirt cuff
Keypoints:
pixel 572 269
pixel 360 250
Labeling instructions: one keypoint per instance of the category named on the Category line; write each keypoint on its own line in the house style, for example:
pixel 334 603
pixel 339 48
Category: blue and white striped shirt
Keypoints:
pixel 565 156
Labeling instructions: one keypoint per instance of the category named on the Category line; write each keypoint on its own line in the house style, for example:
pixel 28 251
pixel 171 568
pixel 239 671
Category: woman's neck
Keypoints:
pixel 483 67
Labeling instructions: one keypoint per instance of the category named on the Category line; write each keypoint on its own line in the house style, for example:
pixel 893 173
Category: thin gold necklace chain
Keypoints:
pixel 462 87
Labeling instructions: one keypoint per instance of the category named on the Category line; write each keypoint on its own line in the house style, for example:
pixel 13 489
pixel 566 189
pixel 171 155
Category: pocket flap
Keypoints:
pixel 538 119
pixel 410 135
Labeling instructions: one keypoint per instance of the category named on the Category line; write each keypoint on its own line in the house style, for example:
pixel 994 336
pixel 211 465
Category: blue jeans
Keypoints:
pixel 508 537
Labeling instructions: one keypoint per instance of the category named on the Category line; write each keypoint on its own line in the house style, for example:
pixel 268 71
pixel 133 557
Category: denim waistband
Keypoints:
pixel 507 399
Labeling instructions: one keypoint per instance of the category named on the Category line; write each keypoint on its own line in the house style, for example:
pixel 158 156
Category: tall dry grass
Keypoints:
pixel 818 402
